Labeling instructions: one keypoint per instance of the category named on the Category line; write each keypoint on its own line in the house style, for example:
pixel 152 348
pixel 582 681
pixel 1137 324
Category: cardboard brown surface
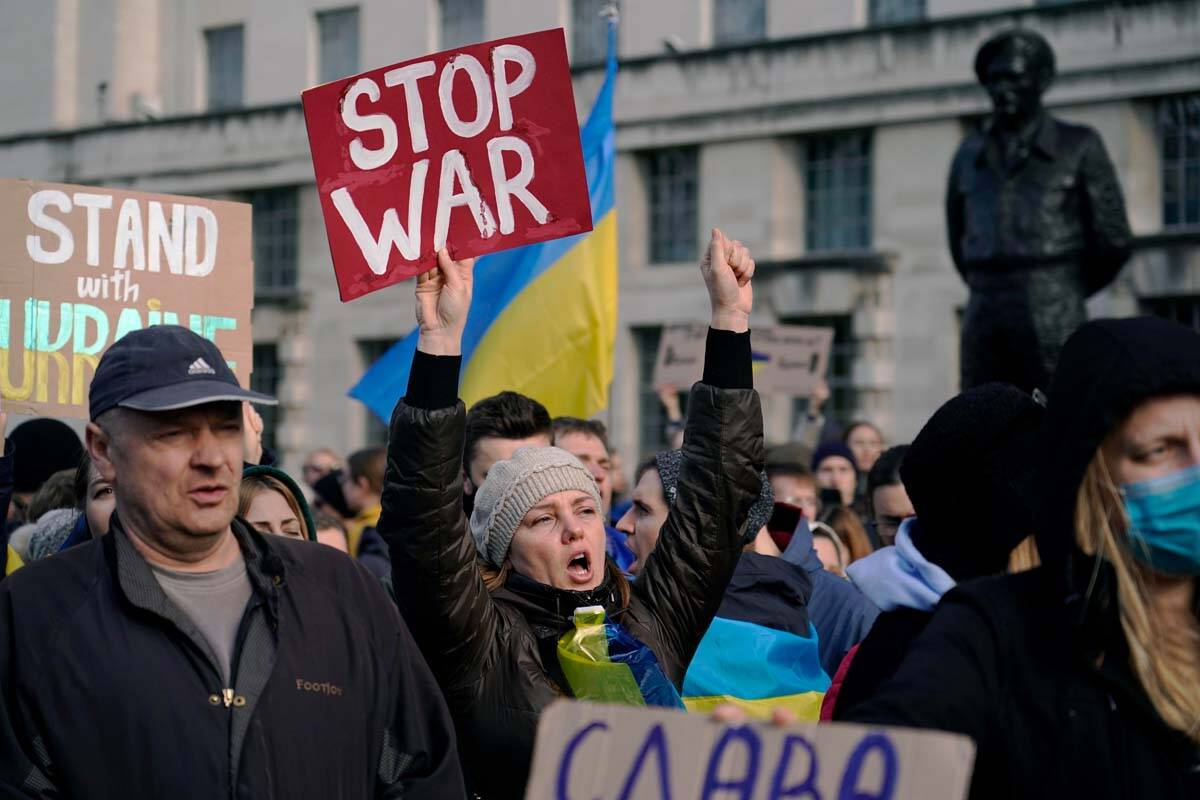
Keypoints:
pixel 788 359
pixel 585 750
pixel 76 275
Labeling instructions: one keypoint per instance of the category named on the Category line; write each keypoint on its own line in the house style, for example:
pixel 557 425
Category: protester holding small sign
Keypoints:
pixel 1079 678
pixel 488 600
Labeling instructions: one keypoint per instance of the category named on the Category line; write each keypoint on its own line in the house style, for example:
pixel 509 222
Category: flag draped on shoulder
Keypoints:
pixel 543 318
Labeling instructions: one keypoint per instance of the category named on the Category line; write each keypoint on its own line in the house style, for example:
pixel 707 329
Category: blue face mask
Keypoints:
pixel 1164 517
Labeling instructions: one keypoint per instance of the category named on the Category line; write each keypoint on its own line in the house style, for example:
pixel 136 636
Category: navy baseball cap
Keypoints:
pixel 163 368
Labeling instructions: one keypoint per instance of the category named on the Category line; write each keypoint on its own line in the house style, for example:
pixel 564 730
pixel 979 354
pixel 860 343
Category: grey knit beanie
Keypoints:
pixel 514 486
pixel 668 462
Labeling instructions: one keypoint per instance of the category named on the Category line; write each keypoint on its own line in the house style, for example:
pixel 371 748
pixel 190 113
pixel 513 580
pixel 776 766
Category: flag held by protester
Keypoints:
pixel 543 317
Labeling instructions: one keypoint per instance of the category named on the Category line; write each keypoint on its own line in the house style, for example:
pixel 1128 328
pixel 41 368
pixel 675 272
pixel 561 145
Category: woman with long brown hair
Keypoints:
pixel 1081 677
pixel 488 599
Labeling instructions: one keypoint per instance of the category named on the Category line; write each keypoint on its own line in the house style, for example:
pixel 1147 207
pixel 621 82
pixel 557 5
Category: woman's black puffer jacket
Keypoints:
pixel 492 653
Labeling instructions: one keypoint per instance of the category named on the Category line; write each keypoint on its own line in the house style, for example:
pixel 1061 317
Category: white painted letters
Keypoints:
pixel 517 185
pixel 164 241
pixel 454 169
pixel 38 201
pixel 483 96
pixel 408 77
pixel 360 154
pixel 391 232
pixel 506 91
pixel 129 236
pixel 197 217
pixel 93 203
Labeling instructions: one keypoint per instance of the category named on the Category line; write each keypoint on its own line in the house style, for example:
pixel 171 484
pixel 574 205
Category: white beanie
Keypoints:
pixel 514 486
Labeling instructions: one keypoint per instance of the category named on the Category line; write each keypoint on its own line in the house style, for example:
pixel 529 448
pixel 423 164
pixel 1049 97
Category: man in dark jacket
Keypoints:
pixel 1035 666
pixel 185 655
pixel 1035 219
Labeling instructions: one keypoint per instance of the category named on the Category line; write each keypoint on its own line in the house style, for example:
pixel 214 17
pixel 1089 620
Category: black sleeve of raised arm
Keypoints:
pixel 727 360
pixel 433 381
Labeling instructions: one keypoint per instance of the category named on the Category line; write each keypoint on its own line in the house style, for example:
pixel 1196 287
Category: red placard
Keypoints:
pixel 476 148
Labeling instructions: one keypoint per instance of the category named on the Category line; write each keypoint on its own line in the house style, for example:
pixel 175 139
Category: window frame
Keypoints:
pixel 267 378
pixel 268 267
pixel 725 10
pixel 1179 153
pixel 327 21
pixel 838 212
pixel 673 232
pixel 896 12
pixel 454 10
pixel 218 81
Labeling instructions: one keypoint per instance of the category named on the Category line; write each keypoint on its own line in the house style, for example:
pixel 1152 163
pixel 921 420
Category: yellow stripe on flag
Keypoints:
pixel 806 705
pixel 554 342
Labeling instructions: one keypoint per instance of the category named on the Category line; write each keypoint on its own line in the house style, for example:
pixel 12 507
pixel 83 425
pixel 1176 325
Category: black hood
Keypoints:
pixel 1106 369
pixel 967 474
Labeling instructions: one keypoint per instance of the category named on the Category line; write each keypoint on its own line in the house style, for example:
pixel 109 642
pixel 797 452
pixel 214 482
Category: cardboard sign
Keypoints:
pixel 82 266
pixel 474 149
pixel 788 359
pixel 585 750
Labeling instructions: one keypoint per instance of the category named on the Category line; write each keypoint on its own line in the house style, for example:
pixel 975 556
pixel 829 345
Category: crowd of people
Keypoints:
pixel 181 617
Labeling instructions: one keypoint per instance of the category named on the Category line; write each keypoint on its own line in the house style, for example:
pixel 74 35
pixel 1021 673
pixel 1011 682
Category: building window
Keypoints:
pixel 843 401
pixel 337 38
pixel 891 12
pixel 1184 310
pixel 736 21
pixel 462 22
pixel 673 182
pixel 370 351
pixel 589 30
pixel 651 419
pixel 225 52
pixel 838 192
pixel 266 378
pixel 1179 134
pixel 275 240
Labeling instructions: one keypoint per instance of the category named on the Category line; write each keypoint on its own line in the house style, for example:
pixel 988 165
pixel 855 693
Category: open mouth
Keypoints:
pixel 579 568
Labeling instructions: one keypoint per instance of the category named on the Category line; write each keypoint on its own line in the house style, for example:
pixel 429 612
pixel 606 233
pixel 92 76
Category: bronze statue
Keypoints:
pixel 1035 217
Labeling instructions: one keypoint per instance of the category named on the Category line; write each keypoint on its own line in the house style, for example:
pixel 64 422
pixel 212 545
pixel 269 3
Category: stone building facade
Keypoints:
pixel 819 132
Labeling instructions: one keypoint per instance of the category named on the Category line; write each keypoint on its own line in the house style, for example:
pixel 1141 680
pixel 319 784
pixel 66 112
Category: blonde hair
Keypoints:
pixel 1165 658
pixel 254 485
pixel 1024 556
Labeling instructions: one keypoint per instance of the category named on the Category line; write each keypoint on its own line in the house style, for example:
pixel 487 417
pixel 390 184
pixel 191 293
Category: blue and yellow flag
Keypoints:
pixel 543 318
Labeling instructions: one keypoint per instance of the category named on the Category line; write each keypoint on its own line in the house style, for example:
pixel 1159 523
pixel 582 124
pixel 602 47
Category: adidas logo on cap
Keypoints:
pixel 200 367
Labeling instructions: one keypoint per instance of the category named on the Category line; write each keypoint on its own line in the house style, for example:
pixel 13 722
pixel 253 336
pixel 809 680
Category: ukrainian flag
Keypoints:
pixel 543 318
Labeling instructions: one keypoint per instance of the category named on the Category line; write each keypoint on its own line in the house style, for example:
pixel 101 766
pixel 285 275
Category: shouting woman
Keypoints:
pixel 488 598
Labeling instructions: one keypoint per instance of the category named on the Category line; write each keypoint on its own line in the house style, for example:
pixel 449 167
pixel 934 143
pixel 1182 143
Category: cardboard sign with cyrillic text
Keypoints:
pixel 788 359
pixel 82 266
pixel 474 149
pixel 610 751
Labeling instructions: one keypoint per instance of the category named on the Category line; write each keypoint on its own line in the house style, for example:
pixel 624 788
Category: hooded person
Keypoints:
pixel 272 502
pixel 33 451
pixel 1078 678
pixel 761 651
pixel 966 526
pixel 489 598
